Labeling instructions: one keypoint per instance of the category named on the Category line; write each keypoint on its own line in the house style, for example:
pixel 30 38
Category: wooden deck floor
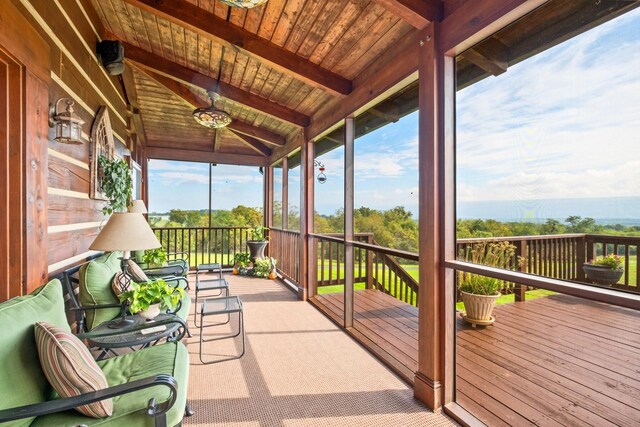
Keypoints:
pixel 557 360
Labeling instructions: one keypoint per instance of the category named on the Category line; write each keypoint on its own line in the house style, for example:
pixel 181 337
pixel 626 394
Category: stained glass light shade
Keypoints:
pixel 245 4
pixel 212 117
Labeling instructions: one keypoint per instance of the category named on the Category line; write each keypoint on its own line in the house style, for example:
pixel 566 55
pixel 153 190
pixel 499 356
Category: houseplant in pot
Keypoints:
pixel 155 257
pixel 240 263
pixel 257 243
pixel 149 298
pixel 479 293
pixel 604 270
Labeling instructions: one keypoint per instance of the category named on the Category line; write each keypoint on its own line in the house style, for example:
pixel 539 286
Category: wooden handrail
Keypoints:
pixel 594 293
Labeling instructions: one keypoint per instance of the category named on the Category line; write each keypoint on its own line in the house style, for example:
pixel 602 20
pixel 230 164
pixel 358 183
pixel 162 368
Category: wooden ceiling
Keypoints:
pixel 277 64
pixel 290 68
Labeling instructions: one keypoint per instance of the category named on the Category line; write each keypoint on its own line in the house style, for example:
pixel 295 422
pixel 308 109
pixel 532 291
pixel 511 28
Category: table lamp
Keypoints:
pixel 137 206
pixel 125 232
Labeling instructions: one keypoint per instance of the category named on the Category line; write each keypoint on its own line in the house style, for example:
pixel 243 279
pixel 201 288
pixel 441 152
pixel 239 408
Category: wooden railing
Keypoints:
pixel 552 256
pixel 284 246
pixel 203 244
pixel 375 267
pixel 562 256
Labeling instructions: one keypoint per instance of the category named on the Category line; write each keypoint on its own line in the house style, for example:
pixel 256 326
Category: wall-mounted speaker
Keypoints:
pixel 111 54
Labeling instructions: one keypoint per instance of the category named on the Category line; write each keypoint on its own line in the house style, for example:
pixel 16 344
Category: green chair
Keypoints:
pixel 176 265
pixel 93 280
pixel 148 387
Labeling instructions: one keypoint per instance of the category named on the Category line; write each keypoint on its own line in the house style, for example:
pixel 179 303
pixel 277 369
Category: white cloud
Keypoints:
pixel 565 123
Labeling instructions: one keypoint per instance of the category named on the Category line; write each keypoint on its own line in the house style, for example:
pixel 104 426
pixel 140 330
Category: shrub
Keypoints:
pixel 614 262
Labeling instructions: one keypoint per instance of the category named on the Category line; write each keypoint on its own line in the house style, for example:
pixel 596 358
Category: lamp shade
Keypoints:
pixel 137 206
pixel 125 232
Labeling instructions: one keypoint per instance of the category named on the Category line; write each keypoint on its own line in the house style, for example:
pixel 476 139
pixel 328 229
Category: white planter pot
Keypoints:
pixel 151 312
pixel 479 308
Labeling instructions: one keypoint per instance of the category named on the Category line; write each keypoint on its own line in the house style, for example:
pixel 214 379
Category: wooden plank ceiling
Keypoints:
pixel 278 63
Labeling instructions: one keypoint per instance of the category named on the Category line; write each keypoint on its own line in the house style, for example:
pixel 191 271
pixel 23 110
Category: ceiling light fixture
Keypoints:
pixel 211 116
pixel 245 4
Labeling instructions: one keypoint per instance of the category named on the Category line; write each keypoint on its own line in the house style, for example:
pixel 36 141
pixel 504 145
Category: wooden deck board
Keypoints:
pixel 556 360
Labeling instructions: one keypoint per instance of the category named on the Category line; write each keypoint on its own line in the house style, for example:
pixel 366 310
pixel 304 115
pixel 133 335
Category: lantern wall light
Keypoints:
pixel 67 123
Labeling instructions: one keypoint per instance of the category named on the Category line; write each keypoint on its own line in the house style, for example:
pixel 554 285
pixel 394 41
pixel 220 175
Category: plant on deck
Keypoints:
pixel 611 261
pixel 491 254
pixel 155 257
pixel 257 234
pixel 263 267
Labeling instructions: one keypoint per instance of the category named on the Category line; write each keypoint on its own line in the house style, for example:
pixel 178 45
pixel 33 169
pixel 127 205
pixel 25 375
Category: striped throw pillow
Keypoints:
pixel 70 368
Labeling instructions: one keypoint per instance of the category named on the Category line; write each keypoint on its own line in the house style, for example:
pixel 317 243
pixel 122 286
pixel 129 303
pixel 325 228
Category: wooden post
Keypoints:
pixel 267 217
pixel 285 193
pixel 581 257
pixel 436 223
pixel 369 265
pixel 306 260
pixel 519 291
pixel 349 137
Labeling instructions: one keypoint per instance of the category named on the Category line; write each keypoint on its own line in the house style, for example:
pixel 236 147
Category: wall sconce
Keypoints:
pixel 322 178
pixel 68 124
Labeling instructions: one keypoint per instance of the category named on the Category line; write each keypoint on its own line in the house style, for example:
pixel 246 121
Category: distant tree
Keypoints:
pixel 552 226
pixel 178 215
pixel 579 225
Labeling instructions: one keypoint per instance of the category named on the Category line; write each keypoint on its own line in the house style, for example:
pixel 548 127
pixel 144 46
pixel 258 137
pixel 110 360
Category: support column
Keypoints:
pixel 285 193
pixel 309 265
pixel 433 383
pixel 349 137
pixel 267 195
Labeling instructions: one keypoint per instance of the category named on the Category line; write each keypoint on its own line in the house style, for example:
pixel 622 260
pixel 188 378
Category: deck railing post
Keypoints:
pixel 369 263
pixel 519 291
pixel 581 257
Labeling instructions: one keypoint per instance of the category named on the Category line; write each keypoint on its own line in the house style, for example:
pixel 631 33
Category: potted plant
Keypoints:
pixel 605 269
pixel 264 267
pixel 257 243
pixel 479 293
pixel 240 262
pixel 116 184
pixel 147 299
pixel 155 257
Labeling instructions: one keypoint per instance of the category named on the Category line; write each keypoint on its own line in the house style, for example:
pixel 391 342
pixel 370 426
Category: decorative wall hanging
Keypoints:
pixel 102 144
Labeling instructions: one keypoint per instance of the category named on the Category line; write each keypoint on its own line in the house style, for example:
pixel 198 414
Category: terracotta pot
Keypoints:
pixel 602 275
pixel 479 308
pixel 151 312
pixel 273 275
pixel 256 249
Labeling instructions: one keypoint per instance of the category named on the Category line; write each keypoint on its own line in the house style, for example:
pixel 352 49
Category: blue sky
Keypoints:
pixel 563 124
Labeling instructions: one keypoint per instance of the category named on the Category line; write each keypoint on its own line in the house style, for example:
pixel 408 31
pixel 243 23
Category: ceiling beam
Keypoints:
pixel 187 15
pixel 185 75
pixel 491 55
pixel 194 101
pixel 162 153
pixel 132 97
pixel 253 143
pixel 417 13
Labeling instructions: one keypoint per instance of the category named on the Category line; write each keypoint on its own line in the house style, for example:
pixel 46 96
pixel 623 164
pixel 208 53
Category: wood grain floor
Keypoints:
pixel 557 360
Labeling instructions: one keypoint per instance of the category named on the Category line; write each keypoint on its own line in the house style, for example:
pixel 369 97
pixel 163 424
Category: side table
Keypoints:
pixel 107 339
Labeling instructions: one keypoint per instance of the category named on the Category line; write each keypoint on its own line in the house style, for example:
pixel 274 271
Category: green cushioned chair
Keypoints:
pixel 176 265
pixel 148 387
pixel 94 289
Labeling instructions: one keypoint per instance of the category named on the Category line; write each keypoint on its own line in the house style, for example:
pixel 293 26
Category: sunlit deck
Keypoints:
pixel 299 370
pixel 556 360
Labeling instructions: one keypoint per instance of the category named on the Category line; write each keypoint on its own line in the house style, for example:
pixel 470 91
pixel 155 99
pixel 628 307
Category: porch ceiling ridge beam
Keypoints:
pixel 194 101
pixel 188 76
pixel 187 15
pixel 253 143
pixel 417 13
pixel 163 153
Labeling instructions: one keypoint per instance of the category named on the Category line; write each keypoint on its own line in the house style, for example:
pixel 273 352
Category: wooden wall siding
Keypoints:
pixel 70 28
